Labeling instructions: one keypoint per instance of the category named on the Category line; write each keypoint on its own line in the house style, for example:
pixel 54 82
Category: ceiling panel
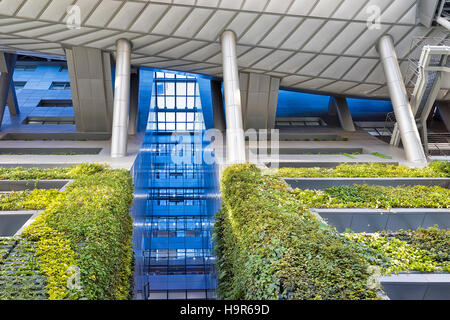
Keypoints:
pixel 316 65
pixel 302 7
pixel 215 25
pixel 324 36
pixel 172 18
pixel 149 17
pixel 272 60
pixel 338 68
pixel 302 34
pixel 126 15
pixel 258 29
pixel 193 23
pixel 295 62
pixel 325 8
pixel 56 10
pixel 32 8
pixel 325 45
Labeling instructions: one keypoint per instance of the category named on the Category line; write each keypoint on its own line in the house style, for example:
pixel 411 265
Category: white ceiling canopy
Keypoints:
pixel 317 45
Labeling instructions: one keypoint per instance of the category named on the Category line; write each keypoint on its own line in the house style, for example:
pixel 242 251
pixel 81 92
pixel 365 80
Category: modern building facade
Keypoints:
pixel 342 81
pixel 344 48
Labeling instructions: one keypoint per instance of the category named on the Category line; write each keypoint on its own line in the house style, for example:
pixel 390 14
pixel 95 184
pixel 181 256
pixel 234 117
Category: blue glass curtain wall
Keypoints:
pixel 299 104
pixel 174 203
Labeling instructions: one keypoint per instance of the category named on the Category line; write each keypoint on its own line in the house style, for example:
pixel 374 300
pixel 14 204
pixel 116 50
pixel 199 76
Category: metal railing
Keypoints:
pixel 412 73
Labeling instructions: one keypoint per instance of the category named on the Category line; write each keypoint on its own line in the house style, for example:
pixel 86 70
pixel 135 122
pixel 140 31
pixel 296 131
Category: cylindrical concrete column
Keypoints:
pixel 399 97
pixel 119 137
pixel 233 113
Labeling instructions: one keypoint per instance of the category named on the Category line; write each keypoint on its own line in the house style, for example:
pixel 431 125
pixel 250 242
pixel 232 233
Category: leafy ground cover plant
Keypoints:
pixel 434 169
pixel 20 277
pixel 415 251
pixel 84 232
pixel 381 155
pixel 27 200
pixel 363 196
pixel 433 240
pixel 20 173
pixel 269 246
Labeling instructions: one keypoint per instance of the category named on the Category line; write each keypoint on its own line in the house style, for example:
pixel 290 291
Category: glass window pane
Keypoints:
pixel 170 116
pixel 161 102
pixel 170 88
pixel 160 88
pixel 191 88
pixel 181 102
pixel 181 117
pixel 170 102
pixel 181 126
pixel 181 88
pixel 190 102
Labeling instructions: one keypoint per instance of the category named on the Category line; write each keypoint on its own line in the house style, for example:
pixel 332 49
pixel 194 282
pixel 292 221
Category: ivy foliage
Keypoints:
pixel 423 250
pixel 363 196
pixel 86 227
pixel 20 277
pixel 269 246
pixel 433 240
pixel 435 169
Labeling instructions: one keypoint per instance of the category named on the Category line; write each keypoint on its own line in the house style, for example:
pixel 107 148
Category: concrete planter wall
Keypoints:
pixel 402 286
pixel 49 151
pixel 374 220
pixel 323 183
pixel 313 164
pixel 327 150
pixel 22 185
pixel 296 136
pixel 75 136
pixel 417 286
pixel 12 223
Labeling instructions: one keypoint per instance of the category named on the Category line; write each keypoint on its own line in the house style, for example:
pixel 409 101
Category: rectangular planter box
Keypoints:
pixel 324 183
pixel 417 286
pixel 22 185
pixel 49 151
pixel 60 136
pixel 12 223
pixel 302 151
pixel 313 164
pixel 296 136
pixel 374 220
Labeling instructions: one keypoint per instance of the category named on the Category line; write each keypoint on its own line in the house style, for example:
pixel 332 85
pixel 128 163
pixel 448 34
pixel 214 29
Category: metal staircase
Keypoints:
pixel 445 13
pixel 429 59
